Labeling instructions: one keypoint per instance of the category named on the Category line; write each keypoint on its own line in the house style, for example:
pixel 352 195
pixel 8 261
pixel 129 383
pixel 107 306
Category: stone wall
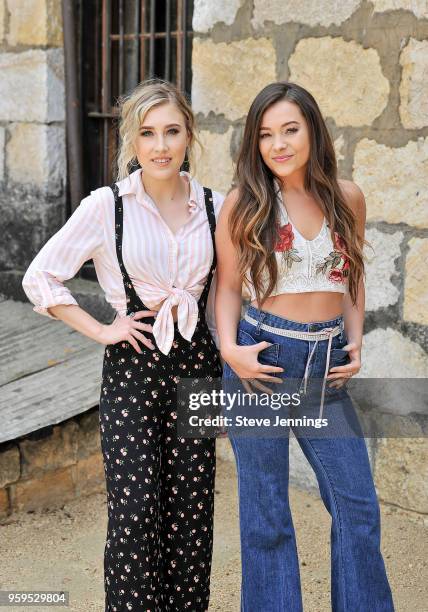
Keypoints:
pixel 32 128
pixel 367 65
pixel 52 466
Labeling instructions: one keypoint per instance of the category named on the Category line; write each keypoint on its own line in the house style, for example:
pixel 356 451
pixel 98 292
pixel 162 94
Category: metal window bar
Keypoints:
pixel 168 40
pixel 122 24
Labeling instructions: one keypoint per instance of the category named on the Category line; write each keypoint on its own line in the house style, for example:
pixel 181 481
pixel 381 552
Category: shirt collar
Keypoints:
pixel 132 184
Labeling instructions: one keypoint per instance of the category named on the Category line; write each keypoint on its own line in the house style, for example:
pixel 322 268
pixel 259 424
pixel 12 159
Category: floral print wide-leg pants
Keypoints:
pixel 160 487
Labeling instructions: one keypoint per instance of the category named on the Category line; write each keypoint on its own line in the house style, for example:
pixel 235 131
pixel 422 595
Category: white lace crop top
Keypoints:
pixel 307 265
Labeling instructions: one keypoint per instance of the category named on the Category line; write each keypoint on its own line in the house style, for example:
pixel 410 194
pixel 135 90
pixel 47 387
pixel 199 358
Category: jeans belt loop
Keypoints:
pixel 342 329
pixel 259 323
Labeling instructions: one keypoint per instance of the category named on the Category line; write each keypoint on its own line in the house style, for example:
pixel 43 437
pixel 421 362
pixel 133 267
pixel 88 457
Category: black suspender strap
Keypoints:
pixel 209 205
pixel 133 301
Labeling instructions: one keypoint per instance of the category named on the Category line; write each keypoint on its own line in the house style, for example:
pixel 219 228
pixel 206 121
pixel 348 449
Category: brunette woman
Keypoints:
pixel 293 233
pixel 151 240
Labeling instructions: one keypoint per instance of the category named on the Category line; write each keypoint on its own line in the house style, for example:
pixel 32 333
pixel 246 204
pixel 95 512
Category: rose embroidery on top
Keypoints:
pixel 284 244
pixel 337 261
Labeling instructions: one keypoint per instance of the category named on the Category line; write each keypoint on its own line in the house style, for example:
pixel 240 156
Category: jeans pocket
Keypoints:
pixel 228 372
pixel 267 356
pixel 338 357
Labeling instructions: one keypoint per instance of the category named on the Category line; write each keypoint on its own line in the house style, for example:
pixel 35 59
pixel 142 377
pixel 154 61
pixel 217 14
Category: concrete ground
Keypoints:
pixel 63 550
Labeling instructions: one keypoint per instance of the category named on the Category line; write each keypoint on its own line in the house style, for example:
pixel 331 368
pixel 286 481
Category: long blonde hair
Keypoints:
pixel 134 107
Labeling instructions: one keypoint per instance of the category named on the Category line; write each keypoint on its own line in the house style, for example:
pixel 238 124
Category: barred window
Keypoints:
pixel 123 42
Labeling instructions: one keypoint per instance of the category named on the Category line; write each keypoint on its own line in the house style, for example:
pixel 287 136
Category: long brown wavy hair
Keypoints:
pixel 252 224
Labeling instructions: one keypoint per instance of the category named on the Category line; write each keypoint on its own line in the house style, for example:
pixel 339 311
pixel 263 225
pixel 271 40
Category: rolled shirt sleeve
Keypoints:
pixel 63 255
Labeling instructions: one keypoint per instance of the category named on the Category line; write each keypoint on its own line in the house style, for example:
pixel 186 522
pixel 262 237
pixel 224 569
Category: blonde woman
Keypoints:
pixel 151 240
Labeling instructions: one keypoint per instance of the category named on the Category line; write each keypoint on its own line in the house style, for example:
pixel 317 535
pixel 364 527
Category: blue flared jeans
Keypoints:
pixel 270 567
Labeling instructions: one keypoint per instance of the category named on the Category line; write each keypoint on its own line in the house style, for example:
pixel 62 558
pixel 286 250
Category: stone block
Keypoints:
pixel 40 150
pixel 310 12
pixel 2 152
pixel 31 214
pixel 32 86
pixel 56 451
pixel 414 84
pixel 386 353
pixel 353 97
pixel 4 504
pixel 88 437
pixel 35 22
pixel 418 7
pixel 10 468
pixel 2 19
pixel 394 181
pixel 415 307
pixel 49 490
pixel 207 13
pixel 339 145
pixel 215 167
pixel 381 267
pixel 89 475
pixel 221 82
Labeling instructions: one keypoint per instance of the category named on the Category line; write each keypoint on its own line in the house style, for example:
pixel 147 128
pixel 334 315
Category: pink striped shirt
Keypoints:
pixel 163 266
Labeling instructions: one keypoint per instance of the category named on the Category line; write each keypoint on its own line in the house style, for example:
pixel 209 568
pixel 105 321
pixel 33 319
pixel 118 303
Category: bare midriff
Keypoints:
pixel 173 310
pixel 309 307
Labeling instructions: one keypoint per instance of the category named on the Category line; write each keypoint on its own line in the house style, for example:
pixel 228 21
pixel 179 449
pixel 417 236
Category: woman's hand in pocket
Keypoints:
pixel 243 359
pixel 342 373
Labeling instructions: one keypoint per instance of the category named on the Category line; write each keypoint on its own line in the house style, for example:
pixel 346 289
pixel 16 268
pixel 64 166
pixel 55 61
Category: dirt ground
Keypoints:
pixel 63 550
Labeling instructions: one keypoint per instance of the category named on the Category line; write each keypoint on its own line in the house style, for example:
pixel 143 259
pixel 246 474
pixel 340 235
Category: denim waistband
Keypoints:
pixel 266 318
pixel 263 316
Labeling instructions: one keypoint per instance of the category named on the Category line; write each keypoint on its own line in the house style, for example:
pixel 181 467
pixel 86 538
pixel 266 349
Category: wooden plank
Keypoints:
pixel 48 371
pixel 31 343
pixel 52 395
pixel 35 349
pixel 17 316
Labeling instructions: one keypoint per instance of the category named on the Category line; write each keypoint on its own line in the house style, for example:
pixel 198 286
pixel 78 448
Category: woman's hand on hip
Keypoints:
pixel 127 329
